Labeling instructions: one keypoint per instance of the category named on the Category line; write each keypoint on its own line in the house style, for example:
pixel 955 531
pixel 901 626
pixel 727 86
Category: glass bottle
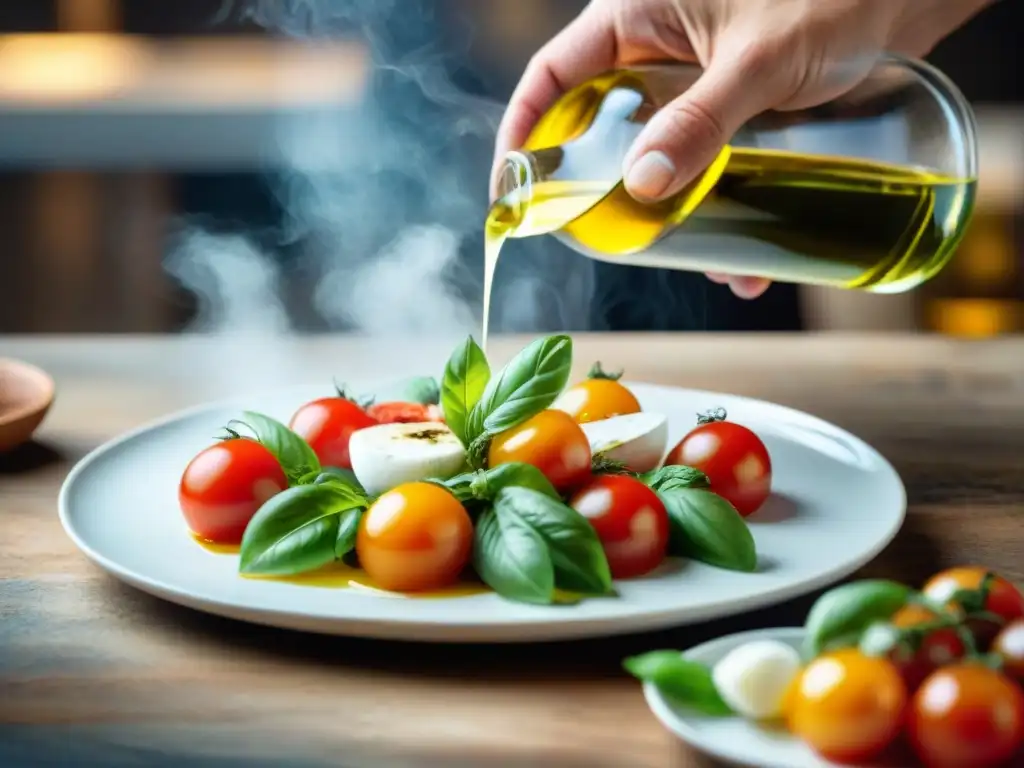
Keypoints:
pixel 870 191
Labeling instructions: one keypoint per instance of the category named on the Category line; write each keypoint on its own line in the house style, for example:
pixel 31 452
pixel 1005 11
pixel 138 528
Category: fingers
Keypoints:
pixel 687 135
pixel 582 50
pixel 743 287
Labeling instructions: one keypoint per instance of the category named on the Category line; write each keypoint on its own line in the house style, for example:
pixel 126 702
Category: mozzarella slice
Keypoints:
pixel 388 455
pixel 638 440
pixel 753 678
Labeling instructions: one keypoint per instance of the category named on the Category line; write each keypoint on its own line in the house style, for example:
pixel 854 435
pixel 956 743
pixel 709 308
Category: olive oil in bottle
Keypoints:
pixel 789 215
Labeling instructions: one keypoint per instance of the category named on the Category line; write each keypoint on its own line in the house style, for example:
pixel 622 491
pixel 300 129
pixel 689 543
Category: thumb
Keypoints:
pixel 687 134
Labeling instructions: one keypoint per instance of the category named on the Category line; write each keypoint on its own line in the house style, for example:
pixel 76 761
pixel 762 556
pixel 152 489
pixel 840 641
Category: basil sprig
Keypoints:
pixel 465 378
pixel 528 544
pixel 294 454
pixel 840 616
pixel 527 385
pixel 298 530
pixel 705 527
pixel 683 682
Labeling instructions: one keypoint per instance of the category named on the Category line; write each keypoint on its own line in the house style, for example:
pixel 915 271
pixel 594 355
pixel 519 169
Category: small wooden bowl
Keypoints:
pixel 26 394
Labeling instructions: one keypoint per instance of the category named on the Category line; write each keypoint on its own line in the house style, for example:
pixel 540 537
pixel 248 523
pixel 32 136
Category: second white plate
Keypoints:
pixel 735 739
pixel 836 504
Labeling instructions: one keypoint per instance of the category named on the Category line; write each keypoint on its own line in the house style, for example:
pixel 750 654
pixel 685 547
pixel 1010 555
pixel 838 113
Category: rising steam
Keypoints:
pixel 383 202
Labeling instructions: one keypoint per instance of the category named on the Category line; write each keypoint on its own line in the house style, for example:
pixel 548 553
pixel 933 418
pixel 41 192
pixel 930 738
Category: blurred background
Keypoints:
pixel 308 165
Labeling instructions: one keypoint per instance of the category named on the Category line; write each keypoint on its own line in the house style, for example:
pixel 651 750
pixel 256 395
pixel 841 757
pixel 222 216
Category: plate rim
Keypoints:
pixel 469 631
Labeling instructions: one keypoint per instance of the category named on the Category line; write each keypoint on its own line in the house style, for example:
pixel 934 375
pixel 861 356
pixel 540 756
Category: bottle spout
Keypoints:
pixel 514 191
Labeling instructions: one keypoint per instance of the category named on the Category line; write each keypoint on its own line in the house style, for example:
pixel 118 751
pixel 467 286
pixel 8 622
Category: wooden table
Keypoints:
pixel 95 673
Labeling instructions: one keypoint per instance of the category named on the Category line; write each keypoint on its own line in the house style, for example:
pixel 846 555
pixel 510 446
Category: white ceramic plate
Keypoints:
pixel 735 739
pixel 836 504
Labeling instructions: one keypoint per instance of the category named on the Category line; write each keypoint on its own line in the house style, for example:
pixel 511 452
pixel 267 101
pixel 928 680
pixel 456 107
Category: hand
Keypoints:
pixel 756 54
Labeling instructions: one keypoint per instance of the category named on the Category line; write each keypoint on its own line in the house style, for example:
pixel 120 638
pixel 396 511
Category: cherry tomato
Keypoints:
pixel 846 706
pixel 224 486
pixel 629 519
pixel 327 425
pixel 966 716
pixel 938 648
pixel 404 413
pixel 552 442
pixel 734 459
pixel 415 537
pixel 1009 645
pixel 1004 599
pixel 600 396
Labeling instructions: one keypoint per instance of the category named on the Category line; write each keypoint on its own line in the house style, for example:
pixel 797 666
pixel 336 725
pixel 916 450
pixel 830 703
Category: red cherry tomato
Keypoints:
pixel 327 425
pixel 1009 646
pixel 938 648
pixel 404 413
pixel 734 459
pixel 629 519
pixel 966 716
pixel 415 537
pixel 224 486
pixel 846 706
pixel 552 442
pixel 1004 599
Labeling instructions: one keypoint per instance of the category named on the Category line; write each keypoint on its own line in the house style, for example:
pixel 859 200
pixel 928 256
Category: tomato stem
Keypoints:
pixel 597 372
pixel 235 434
pixel 710 417
pixel 230 434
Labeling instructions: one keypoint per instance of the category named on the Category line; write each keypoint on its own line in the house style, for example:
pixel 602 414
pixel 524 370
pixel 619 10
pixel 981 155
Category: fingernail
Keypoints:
pixel 651 175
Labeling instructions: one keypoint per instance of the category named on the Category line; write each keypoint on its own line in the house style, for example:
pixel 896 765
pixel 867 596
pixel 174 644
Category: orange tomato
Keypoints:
pixel 414 538
pixel 552 442
pixel 600 396
pixel 846 706
pixel 966 716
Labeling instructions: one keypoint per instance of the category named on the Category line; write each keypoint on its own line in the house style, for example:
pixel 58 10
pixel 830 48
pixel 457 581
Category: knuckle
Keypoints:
pixel 693 122
pixel 777 61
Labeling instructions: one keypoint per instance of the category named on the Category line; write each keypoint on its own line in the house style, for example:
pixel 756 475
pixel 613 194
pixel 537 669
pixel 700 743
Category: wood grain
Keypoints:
pixel 95 673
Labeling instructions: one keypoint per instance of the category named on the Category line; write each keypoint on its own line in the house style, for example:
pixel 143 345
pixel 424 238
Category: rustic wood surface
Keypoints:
pixel 96 673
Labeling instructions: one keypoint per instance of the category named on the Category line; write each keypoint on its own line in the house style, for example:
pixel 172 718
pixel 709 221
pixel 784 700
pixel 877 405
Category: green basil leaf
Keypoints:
pixel 296 530
pixel 843 613
pixel 516 475
pixel 512 559
pixel 293 453
pixel 340 476
pixel 705 527
pixel 529 384
pixel 348 528
pixel 423 390
pixel 465 379
pixel 575 550
pixel 674 477
pixel 683 682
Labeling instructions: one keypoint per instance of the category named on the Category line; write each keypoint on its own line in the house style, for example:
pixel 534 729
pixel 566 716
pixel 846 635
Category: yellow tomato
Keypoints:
pixel 846 706
pixel 552 442
pixel 414 538
pixel 600 396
